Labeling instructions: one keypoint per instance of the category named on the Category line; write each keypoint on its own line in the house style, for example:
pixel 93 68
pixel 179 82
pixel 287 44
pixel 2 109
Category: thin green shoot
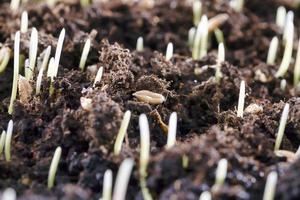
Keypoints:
pixel 7 146
pixel 2 141
pixel 206 195
pixel 122 133
pixel 221 172
pixel 283 85
pixel 16 72
pixel 24 22
pixel 107 185
pixel 9 194
pixel 59 50
pixel 169 51
pixel 297 67
pixel 219 35
pixel 280 16
pixel 241 103
pixel 85 53
pixel 122 179
pixel 140 44
pixel 53 167
pixel 33 48
pixel 15 4
pixel 270 187
pixel 197 11
pixel 272 53
pixel 282 124
pixel 98 76
pixel 172 128
pixel 4 58
pixel 191 36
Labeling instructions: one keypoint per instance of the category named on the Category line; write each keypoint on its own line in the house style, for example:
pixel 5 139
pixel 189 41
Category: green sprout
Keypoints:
pixel 171 141
pixel 2 141
pixel 33 48
pixel 282 124
pixel 270 187
pixel 201 39
pixel 169 51
pixel 85 53
pixel 140 44
pixel 9 194
pixel 85 3
pixel 280 16
pixel 191 36
pixel 98 76
pixel 8 137
pixel 272 51
pixel 24 22
pixel 197 11
pixel 16 72
pixel 107 185
pixel 221 172
pixel 237 5
pixel 221 58
pixel 297 67
pixel 241 103
pixel 15 4
pixel 122 179
pixel 205 196
pixel 122 132
pixel 4 58
pixel 219 35
pixel 53 167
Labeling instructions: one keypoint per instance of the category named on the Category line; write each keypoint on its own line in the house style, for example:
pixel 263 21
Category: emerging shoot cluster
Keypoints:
pixel 283 120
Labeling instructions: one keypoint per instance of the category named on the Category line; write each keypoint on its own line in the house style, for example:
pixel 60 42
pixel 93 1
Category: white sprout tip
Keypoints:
pixel 107 185
pixel 145 143
pixel 14 4
pixel 140 44
pixel 122 179
pixel 241 103
pixel 282 124
pixel 283 84
pixel 24 22
pixel 7 146
pixel 53 167
pixel 221 53
pixel 272 51
pixel 221 171
pixel 270 187
pixel 172 130
pixel 85 53
pixel 169 52
pixel 197 7
pixel 98 76
pixel 9 194
pixel 206 195
pixel 280 16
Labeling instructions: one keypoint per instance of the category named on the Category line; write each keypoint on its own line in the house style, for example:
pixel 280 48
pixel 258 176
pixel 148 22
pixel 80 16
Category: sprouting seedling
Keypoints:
pixel 107 185
pixel 33 48
pixel 14 4
pixel 270 187
pixel 169 51
pixel 219 35
pixel 2 141
pixel 85 53
pixel 98 76
pixel 206 195
pixel 4 58
pixel 8 137
pixel 297 67
pixel 220 59
pixel 145 144
pixel 241 103
pixel 122 132
pixel 283 84
pixel 197 11
pixel 9 194
pixel 59 50
pixel 24 22
pixel 283 120
pixel 16 72
pixel 191 36
pixel 221 172
pixel 84 3
pixel 289 19
pixel 201 38
pixel 140 44
pixel 122 179
pixel 272 51
pixel 237 5
pixel 172 128
pixel 53 167
pixel 45 61
pixel 280 16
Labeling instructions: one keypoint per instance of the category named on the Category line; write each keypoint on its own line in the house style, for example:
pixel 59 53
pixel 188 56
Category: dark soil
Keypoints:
pixel 208 128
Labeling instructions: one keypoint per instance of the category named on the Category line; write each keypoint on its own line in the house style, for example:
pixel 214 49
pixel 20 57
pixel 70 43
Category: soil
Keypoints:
pixel 208 128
